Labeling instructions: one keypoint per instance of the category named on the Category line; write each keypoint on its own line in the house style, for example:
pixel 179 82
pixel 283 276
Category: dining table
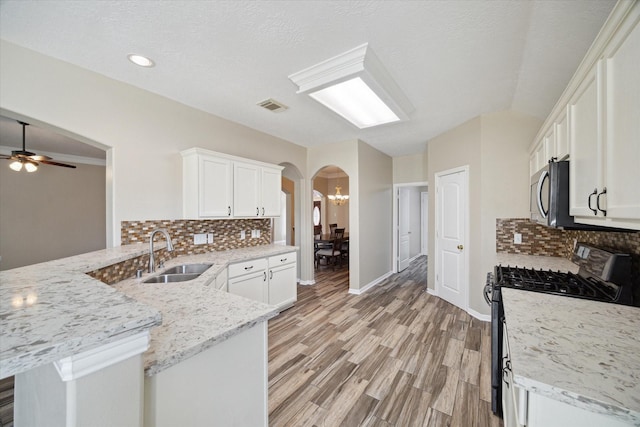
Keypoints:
pixel 329 238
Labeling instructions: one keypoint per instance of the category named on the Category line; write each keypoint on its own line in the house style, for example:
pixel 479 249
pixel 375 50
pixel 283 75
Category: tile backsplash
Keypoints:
pixel 226 235
pixel 540 240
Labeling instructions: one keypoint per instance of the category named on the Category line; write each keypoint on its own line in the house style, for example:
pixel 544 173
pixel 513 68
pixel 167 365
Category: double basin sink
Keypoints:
pixel 179 273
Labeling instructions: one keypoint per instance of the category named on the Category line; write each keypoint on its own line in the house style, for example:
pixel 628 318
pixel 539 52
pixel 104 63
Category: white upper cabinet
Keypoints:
pixel 584 130
pixel 562 137
pixel 218 185
pixel 622 137
pixel 246 190
pixel 598 115
pixel 256 190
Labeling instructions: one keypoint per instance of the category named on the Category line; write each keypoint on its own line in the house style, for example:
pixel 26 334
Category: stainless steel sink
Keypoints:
pixel 179 273
pixel 187 269
pixel 171 278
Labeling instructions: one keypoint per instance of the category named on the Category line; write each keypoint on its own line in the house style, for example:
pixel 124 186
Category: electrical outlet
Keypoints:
pixel 257 233
pixel 243 235
pixel 517 238
pixel 210 238
pixel 199 239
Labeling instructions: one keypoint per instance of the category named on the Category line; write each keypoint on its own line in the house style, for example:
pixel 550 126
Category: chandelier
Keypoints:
pixel 338 199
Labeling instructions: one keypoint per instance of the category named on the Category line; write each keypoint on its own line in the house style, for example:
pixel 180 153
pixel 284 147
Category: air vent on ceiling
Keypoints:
pixel 272 105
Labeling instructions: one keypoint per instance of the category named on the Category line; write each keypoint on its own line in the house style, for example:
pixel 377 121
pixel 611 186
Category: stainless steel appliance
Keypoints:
pixel 549 196
pixel 602 276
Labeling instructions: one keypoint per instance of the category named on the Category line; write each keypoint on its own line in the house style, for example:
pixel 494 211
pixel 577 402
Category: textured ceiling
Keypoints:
pixel 453 59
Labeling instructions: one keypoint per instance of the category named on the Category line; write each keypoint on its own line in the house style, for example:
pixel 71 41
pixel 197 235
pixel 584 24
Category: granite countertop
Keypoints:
pixel 195 314
pixel 53 310
pixel 580 352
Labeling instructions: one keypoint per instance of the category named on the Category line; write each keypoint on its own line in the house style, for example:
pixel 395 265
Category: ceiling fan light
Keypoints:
pixel 16 165
pixel 30 167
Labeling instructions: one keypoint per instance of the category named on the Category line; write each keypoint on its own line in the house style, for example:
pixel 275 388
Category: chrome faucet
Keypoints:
pixel 164 231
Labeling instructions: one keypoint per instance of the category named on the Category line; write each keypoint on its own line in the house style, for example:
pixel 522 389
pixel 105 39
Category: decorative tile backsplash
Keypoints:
pixel 541 240
pixel 226 235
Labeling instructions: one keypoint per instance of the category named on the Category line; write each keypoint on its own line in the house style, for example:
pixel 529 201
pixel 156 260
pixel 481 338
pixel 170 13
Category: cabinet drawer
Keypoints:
pixel 247 267
pixel 282 259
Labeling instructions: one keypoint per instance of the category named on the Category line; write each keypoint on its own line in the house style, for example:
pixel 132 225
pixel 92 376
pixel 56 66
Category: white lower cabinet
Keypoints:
pixel 282 280
pixel 270 280
pixel 249 279
pixel 225 385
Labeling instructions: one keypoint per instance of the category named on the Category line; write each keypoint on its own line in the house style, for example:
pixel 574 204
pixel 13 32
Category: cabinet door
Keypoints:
pixel 562 137
pixel 252 286
pixel 622 144
pixel 282 285
pixel 246 185
pixel 271 189
pixel 215 188
pixel 584 170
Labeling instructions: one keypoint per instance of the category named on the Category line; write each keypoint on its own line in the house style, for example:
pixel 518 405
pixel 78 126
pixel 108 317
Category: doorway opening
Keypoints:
pixel 330 218
pixel 410 219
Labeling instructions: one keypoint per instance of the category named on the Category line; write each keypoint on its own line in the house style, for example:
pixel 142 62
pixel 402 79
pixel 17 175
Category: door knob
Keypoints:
pixel 460 247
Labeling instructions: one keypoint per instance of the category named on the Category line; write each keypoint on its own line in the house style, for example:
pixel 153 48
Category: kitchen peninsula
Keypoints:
pixel 57 320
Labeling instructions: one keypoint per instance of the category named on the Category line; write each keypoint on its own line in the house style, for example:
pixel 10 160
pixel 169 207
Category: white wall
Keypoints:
pixel 495 148
pixel 51 213
pixel 375 207
pixel 413 168
pixel 146 131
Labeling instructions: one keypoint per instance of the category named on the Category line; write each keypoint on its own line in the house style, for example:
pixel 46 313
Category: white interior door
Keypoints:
pixel 403 228
pixel 424 218
pixel 451 219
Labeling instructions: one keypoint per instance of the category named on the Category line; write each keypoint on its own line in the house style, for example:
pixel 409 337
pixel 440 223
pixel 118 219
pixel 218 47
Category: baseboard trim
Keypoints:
pixel 370 284
pixel 306 282
pixel 479 316
pixel 476 314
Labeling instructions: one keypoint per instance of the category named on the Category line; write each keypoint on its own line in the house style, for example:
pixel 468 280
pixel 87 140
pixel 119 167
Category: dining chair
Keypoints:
pixel 332 229
pixel 334 253
pixel 338 233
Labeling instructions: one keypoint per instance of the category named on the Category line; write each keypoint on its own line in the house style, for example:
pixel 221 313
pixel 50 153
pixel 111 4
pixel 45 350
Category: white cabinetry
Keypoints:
pixel 218 185
pixel 207 187
pixel 249 279
pixel 270 280
pixel 605 136
pixel 584 166
pixel 562 137
pixel 282 280
pixel 256 190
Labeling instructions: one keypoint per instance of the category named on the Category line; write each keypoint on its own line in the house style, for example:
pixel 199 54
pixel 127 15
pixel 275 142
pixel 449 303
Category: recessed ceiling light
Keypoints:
pixel 140 60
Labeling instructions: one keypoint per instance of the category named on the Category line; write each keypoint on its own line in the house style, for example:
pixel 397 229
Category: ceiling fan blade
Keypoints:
pixel 39 158
pixel 48 162
pixel 4 156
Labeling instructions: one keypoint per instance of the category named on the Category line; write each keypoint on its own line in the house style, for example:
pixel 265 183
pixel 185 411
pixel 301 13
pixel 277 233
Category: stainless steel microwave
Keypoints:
pixel 549 197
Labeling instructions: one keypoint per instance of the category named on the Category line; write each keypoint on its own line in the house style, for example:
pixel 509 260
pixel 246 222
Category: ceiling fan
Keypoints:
pixel 28 160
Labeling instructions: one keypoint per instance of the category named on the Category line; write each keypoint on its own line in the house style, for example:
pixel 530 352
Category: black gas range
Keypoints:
pixel 602 276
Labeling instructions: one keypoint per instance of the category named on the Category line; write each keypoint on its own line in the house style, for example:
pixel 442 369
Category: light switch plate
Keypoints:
pixel 517 238
pixel 243 235
pixel 199 239
pixel 210 238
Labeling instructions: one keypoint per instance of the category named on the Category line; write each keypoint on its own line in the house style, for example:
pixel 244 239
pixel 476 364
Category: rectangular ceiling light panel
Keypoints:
pixel 356 102
pixel 356 86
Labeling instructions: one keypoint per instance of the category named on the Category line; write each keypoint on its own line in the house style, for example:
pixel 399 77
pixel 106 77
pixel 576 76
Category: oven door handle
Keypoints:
pixel 488 289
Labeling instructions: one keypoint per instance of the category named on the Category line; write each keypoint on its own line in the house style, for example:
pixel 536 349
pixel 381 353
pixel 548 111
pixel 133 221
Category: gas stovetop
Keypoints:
pixel 553 282
pixel 602 276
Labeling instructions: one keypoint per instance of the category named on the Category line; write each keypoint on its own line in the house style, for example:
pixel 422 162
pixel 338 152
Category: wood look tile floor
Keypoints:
pixel 393 356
